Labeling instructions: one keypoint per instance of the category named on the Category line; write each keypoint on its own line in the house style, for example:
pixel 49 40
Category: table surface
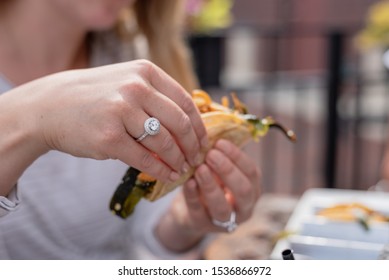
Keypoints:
pixel 255 238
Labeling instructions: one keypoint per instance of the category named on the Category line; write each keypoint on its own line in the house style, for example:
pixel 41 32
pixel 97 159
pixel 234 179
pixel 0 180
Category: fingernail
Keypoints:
pixel 185 167
pixel 204 141
pixel 174 176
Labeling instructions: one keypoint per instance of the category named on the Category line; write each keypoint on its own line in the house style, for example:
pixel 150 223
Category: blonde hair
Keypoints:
pixel 162 23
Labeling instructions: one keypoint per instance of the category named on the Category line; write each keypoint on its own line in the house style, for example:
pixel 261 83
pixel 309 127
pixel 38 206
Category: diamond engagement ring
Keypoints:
pixel 152 127
pixel 229 225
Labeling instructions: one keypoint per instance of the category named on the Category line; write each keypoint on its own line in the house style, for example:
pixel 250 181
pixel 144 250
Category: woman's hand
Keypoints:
pixel 228 181
pixel 98 113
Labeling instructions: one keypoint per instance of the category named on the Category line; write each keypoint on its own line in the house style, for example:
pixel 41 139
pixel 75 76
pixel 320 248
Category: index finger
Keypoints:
pixel 165 84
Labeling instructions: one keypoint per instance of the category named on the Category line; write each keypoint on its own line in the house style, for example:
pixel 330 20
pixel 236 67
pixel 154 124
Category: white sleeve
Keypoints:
pixel 149 246
pixel 157 250
pixel 9 203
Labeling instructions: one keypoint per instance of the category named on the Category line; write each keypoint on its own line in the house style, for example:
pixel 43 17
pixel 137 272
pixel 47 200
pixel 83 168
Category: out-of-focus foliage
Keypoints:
pixel 376 32
pixel 207 16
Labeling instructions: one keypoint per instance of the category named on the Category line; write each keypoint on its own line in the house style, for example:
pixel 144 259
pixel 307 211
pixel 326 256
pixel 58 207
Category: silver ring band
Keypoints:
pixel 152 126
pixel 229 225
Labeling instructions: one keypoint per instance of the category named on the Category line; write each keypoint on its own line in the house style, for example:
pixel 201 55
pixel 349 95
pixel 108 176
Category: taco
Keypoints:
pixel 222 122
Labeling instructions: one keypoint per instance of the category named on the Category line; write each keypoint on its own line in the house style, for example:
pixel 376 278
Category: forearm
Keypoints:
pixel 19 146
pixel 177 236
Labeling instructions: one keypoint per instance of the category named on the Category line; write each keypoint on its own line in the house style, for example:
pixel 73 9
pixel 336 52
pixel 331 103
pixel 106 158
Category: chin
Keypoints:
pixel 105 16
pixel 102 24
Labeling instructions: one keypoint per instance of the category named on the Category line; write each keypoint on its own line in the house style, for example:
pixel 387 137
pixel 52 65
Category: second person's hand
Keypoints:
pixel 226 185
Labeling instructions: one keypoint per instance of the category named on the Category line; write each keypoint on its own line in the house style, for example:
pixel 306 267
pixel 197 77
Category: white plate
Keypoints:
pixel 321 227
pixel 318 248
pixel 318 238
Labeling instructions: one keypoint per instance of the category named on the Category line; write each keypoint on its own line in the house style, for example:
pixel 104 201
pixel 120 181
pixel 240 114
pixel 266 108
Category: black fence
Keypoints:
pixel 339 111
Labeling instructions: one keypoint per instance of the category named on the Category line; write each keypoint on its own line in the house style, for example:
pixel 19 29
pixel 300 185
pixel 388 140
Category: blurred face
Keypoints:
pixel 91 14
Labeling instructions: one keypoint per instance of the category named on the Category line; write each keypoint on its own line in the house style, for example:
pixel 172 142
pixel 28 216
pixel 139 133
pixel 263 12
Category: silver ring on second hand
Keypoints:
pixel 152 127
pixel 229 225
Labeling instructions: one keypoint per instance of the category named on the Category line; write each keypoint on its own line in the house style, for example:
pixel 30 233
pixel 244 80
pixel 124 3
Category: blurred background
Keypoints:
pixel 316 66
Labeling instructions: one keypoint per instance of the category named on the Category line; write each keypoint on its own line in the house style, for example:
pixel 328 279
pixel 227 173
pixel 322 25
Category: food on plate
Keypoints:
pixel 353 212
pixel 222 122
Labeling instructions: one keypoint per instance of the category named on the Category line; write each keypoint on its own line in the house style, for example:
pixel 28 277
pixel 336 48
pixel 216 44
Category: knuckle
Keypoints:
pixel 136 86
pixel 145 63
pixel 147 160
pixel 139 87
pixel 167 143
pixel 146 67
pixel 186 103
pixel 226 167
pixel 184 124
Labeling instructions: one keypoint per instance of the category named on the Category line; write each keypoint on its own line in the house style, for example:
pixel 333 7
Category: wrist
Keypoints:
pixel 20 143
pixel 175 236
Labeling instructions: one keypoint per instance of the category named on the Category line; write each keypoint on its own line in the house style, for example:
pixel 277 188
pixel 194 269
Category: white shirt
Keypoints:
pixel 64 213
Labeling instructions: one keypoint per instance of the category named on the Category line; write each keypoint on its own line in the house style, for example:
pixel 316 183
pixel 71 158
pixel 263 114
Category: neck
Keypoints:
pixel 37 40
